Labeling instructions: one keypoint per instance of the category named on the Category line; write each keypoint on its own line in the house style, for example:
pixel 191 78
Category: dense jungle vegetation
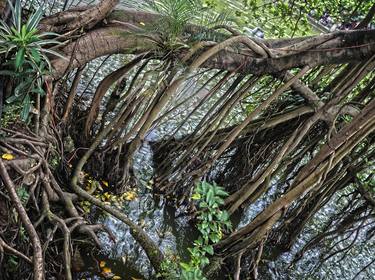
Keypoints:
pixel 250 124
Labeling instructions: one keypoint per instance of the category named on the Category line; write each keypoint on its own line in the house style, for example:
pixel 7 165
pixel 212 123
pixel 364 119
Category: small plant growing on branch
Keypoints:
pixel 25 53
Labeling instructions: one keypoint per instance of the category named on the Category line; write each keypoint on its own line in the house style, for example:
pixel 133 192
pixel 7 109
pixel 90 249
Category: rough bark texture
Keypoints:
pixel 119 37
pixel 293 128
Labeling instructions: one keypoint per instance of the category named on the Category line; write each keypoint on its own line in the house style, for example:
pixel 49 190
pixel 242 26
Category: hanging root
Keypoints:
pixel 42 202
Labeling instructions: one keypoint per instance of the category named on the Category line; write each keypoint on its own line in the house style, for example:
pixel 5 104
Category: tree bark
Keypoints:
pixel 119 37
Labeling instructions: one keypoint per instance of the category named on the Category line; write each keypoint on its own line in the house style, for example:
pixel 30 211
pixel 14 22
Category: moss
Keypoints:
pixel 10 115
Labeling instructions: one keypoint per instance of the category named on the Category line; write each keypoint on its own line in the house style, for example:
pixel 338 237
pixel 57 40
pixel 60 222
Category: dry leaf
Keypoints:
pixel 105 183
pixel 7 156
pixel 106 270
pixel 129 196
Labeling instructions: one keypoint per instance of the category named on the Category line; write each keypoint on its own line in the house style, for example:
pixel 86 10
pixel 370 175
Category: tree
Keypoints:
pixel 303 111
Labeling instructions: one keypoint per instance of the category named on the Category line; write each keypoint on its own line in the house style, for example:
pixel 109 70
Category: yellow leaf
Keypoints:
pixel 196 196
pixel 102 264
pixel 105 183
pixel 116 277
pixel 133 278
pixel 129 196
pixel 106 270
pixel 142 23
pixel 7 156
pixel 86 209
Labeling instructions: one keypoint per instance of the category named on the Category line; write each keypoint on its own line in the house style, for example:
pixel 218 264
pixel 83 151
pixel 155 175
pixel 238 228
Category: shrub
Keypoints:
pixel 25 53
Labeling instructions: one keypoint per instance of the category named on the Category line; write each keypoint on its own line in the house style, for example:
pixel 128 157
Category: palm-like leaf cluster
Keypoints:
pixel 25 53
pixel 175 16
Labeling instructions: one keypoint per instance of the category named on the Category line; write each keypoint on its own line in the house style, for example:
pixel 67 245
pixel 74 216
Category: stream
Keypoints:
pixel 174 235
pixel 127 260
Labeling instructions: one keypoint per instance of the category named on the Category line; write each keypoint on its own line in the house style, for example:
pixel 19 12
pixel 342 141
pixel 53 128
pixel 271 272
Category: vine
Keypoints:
pixel 212 222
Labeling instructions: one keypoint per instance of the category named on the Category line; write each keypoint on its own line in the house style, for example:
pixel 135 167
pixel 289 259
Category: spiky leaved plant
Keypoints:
pixel 24 50
pixel 175 16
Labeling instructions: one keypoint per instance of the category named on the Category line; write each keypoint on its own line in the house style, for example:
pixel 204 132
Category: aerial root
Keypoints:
pixel 26 169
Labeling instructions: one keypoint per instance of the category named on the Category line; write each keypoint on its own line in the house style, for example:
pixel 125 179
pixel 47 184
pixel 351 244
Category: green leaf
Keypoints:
pixel 35 55
pixel 221 192
pixel 55 54
pixel 26 108
pixel 23 31
pixel 34 20
pixel 12 98
pixel 205 261
pixel 203 205
pixel 209 196
pixel 17 15
pixel 20 56
pixel 185 266
pixel 209 249
pixel 20 88
pixel 45 42
pixel 214 237
pixel 38 90
pixel 5 27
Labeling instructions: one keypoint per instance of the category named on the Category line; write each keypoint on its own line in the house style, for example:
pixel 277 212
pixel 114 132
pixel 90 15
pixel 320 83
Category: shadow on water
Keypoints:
pixel 125 258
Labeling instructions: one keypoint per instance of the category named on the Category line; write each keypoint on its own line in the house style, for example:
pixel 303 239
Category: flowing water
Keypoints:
pixel 126 259
pixel 174 235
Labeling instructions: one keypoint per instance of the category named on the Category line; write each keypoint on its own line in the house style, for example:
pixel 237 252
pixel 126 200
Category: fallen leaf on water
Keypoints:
pixel 7 156
pixel 133 278
pixel 105 183
pixel 116 277
pixel 129 196
pixel 102 264
pixel 107 272
pixel 106 195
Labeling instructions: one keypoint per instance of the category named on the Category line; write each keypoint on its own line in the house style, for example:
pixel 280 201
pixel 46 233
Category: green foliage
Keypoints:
pixel 23 235
pixel 281 18
pixel 175 14
pixel 276 18
pixel 211 223
pixel 175 17
pixel 339 10
pixel 23 194
pixel 54 160
pixel 366 178
pixel 10 114
pixel 25 52
pixel 12 263
pixel 170 268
